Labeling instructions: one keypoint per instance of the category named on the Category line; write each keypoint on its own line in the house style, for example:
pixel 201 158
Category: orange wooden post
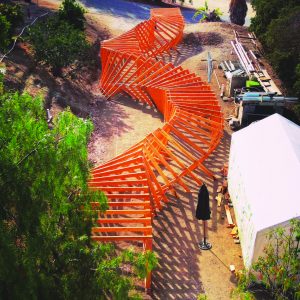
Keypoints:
pixel 148 246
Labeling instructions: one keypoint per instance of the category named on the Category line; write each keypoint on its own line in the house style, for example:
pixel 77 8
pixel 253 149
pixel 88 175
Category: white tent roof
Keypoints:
pixel 269 160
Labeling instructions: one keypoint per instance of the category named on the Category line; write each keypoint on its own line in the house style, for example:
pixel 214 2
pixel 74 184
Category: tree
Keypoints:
pixel 13 14
pixel 282 42
pixel 277 25
pixel 57 43
pixel 46 251
pixel 10 17
pixel 238 11
pixel 266 11
pixel 72 12
pixel 4 33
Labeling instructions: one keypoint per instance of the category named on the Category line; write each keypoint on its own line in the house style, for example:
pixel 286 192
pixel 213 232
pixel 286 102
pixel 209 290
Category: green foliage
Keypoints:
pixel 282 42
pixel 46 251
pixel 57 43
pixel 4 33
pixel 278 270
pixel 280 267
pixel 266 11
pixel 296 86
pixel 277 24
pixel 207 15
pixel 142 263
pixel 1 82
pixel 202 297
pixel 10 17
pixel 13 14
pixel 72 12
pixel 241 291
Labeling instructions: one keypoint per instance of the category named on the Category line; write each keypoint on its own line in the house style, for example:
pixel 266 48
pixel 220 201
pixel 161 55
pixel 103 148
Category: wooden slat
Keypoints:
pixel 147 229
pixel 116 238
pixel 146 221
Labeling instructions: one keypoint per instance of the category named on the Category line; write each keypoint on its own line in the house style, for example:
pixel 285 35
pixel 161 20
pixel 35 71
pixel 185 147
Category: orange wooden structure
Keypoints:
pixel 136 182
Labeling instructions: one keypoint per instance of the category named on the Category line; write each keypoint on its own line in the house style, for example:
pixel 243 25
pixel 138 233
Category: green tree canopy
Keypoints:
pixel 4 32
pixel 266 11
pixel 10 16
pixel 46 250
pixel 277 24
pixel 72 12
pixel 13 14
pixel 57 43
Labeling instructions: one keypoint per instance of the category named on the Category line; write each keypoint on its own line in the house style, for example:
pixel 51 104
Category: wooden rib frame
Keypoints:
pixel 136 182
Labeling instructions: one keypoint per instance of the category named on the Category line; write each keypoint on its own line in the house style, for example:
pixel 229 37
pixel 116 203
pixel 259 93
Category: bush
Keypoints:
pixel 13 14
pixel 57 43
pixel 266 11
pixel 4 33
pixel 280 267
pixel 277 25
pixel 73 13
pixel 277 272
pixel 206 15
pixel 282 41
pixel 296 86
pixel 10 17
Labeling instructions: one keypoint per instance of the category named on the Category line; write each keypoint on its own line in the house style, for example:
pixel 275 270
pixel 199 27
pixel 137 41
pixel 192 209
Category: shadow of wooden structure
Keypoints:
pixel 136 182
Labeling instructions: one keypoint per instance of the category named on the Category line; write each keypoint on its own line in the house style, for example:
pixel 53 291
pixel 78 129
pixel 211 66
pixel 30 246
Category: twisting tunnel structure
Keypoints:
pixel 136 182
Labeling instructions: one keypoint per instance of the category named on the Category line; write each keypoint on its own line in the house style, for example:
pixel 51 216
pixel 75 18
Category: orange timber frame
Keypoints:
pixel 136 182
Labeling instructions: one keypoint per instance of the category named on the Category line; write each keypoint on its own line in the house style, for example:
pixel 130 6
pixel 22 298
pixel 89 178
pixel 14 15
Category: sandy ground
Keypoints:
pixel 184 271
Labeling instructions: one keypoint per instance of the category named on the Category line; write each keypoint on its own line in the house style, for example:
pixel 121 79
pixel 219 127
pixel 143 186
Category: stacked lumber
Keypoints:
pixel 252 64
pixel 137 181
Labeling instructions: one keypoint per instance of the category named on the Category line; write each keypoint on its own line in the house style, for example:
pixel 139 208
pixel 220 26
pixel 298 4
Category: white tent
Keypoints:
pixel 264 180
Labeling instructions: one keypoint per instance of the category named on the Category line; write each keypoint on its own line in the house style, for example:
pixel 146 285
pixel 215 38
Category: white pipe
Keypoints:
pixel 240 57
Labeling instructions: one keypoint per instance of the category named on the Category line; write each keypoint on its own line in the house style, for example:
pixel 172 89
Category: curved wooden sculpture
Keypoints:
pixel 136 182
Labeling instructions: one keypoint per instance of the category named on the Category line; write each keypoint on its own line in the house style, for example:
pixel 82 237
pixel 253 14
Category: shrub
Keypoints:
pixel 282 41
pixel 13 14
pixel 277 25
pixel 266 11
pixel 278 269
pixel 4 33
pixel 207 15
pixel 73 13
pixel 296 86
pixel 10 17
pixel 57 43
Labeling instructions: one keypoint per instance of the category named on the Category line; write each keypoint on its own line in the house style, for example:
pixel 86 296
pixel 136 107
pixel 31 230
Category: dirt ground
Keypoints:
pixel 184 271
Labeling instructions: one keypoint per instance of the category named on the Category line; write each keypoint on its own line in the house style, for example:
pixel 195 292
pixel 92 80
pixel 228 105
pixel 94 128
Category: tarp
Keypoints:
pixel 264 180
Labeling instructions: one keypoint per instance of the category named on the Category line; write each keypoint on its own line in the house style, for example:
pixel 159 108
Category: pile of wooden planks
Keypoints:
pixel 252 64
pixel 136 182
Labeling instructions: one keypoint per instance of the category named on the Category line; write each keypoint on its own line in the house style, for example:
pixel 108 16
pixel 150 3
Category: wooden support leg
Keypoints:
pixel 148 246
